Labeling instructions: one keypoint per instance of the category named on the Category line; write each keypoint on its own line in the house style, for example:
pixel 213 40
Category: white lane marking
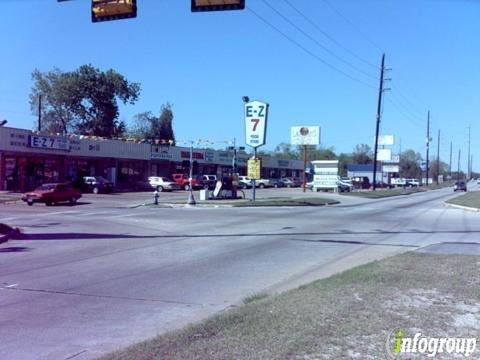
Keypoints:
pixel 11 286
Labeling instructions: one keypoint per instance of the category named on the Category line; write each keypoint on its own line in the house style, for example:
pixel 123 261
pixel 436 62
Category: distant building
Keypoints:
pixel 366 170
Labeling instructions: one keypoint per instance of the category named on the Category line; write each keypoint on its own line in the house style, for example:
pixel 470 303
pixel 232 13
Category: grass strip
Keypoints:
pixel 469 199
pixel 349 315
pixel 378 194
pixel 314 201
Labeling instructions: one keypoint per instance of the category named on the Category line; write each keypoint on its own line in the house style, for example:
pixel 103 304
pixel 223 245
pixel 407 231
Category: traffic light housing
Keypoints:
pixel 106 10
pixel 217 5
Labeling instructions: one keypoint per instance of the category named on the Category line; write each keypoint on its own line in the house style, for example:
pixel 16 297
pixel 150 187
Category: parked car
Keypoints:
pixel 344 186
pixel 412 182
pixel 50 194
pixel 184 182
pixel 276 183
pixel 291 181
pixel 96 184
pixel 262 183
pixel 208 181
pixel 244 182
pixel 460 186
pixel 161 183
pixel 397 182
pixel 141 185
pixel 361 182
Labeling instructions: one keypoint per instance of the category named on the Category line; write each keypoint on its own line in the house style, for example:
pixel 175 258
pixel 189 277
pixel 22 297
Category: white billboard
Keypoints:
pixel 384 155
pixel 385 140
pixel 305 135
pixel 256 113
pixel 390 168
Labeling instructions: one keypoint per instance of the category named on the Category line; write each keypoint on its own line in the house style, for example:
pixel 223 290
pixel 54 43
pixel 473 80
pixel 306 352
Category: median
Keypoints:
pixel 359 313
pixel 469 200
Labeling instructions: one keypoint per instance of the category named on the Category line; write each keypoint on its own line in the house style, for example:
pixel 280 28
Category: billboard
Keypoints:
pixel 390 168
pixel 384 155
pixel 385 140
pixel 305 135
pixel 256 114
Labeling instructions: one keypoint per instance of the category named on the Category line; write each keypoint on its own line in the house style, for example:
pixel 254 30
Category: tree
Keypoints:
pixel 148 126
pixel 409 164
pixel 362 154
pixel 82 101
pixel 285 151
pixel 166 123
pixel 343 161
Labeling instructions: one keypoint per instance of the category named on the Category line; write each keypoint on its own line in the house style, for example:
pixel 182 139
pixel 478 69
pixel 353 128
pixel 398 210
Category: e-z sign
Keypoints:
pixel 256 113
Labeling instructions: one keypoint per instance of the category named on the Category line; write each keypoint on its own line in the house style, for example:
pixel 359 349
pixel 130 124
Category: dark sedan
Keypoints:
pixel 276 183
pixel 97 184
pixel 460 186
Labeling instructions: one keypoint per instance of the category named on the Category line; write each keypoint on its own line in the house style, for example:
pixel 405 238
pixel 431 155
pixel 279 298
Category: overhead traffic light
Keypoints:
pixel 217 5
pixel 105 10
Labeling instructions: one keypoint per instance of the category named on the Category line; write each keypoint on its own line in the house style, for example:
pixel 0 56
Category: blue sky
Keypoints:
pixel 203 63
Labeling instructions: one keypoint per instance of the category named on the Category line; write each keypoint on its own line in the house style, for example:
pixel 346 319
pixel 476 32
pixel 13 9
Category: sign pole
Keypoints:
pixel 254 180
pixel 304 167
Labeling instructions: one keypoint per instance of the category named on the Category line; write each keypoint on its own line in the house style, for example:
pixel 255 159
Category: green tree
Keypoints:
pixel 285 151
pixel 343 161
pixel 362 154
pixel 165 123
pixel 83 101
pixel 409 164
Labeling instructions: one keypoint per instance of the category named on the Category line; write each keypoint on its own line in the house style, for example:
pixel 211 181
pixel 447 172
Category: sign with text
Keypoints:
pixel 254 167
pixel 256 113
pixel 385 140
pixel 305 135
pixel 49 142
pixel 390 168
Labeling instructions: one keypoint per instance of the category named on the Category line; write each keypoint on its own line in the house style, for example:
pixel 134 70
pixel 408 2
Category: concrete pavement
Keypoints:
pixel 88 279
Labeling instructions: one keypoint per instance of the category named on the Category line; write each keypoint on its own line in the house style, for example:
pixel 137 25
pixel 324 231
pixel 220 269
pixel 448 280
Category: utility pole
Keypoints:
pixel 428 141
pixel 40 112
pixel 377 129
pixel 450 166
pixel 458 165
pixel 468 168
pixel 438 156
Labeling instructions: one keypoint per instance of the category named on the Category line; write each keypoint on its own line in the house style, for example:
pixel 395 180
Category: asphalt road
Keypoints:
pixel 91 278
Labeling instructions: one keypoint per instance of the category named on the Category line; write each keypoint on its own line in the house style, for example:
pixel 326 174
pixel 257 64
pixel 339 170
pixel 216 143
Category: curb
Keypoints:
pixel 462 207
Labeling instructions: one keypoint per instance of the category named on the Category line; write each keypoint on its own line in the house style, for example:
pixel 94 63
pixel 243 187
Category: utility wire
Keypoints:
pixel 329 37
pixel 317 42
pixel 352 25
pixel 407 109
pixel 400 111
pixel 308 51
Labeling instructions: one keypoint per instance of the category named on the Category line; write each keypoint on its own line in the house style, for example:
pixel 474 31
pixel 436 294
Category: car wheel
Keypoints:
pixel 48 203
pixel 186 187
pixel 275 186
pixel 261 186
pixel 206 187
pixel 289 186
pixel 160 188
pixel 73 200
pixel 95 190
pixel 30 202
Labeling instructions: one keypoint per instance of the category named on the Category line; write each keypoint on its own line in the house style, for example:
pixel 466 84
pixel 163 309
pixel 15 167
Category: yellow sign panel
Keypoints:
pixel 254 167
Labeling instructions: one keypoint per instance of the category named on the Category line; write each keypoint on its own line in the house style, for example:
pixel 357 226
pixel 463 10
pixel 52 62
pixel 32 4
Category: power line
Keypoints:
pixel 407 109
pixel 352 25
pixel 401 112
pixel 317 42
pixel 308 51
pixel 311 22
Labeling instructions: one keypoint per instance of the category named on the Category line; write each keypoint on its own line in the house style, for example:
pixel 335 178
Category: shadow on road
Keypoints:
pixel 14 249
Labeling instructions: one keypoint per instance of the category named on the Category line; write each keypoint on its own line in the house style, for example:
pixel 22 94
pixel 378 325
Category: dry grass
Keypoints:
pixel 348 315
pixel 470 199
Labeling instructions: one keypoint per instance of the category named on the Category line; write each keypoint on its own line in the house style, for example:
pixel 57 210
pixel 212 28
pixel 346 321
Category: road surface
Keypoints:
pixel 88 279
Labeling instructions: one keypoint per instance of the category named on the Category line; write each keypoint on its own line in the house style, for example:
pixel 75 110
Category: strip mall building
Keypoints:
pixel 28 159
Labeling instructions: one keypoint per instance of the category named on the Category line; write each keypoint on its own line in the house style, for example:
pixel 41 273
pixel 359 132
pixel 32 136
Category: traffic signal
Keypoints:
pixel 105 10
pixel 217 5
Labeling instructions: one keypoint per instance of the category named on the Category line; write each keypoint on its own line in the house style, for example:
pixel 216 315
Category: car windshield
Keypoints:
pixel 46 187
pixel 357 119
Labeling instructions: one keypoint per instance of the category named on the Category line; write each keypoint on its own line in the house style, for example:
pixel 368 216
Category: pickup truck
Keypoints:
pixel 184 182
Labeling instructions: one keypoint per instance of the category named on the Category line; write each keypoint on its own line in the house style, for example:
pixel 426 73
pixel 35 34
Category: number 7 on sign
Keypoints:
pixel 255 123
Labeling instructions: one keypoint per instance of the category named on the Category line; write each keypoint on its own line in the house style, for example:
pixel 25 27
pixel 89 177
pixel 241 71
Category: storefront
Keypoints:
pixel 28 159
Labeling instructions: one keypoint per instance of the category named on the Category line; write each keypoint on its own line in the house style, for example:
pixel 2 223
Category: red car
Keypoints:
pixel 52 193
pixel 184 182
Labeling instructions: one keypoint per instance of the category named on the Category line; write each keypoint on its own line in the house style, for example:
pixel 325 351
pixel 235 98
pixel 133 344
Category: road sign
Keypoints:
pixel 305 135
pixel 254 167
pixel 256 113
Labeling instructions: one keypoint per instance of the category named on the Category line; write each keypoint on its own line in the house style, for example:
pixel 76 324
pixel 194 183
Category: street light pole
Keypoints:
pixel 191 198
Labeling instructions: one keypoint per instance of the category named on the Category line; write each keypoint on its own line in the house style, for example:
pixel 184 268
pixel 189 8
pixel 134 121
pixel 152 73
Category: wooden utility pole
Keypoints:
pixel 450 165
pixel 40 112
pixel 377 129
pixel 468 166
pixel 438 156
pixel 428 142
